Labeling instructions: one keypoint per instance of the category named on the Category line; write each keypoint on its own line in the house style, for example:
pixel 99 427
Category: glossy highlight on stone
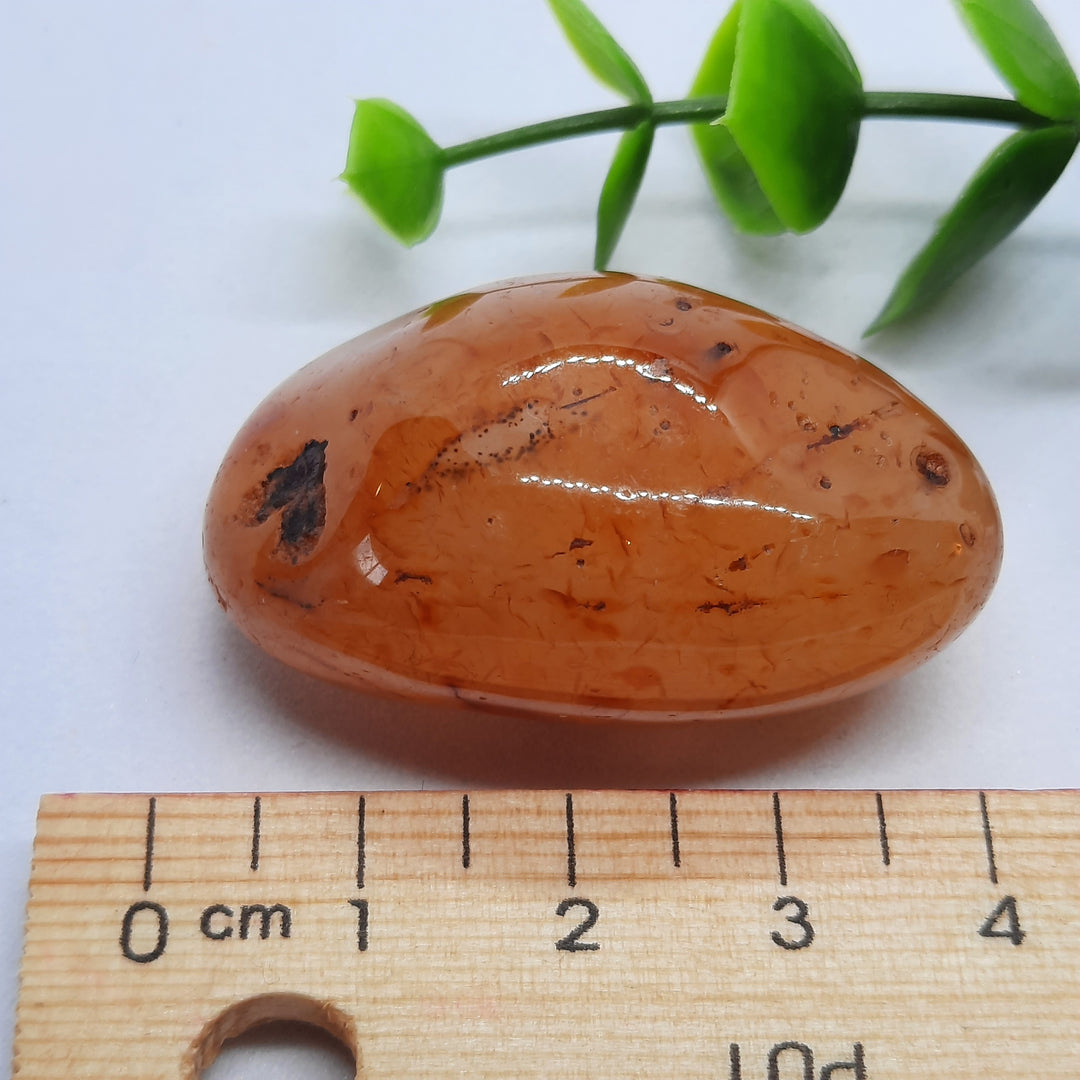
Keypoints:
pixel 600 496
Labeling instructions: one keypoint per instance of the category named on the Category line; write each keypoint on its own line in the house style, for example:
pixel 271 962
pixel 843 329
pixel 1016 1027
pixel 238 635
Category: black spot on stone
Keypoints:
pixel 720 350
pixel 403 577
pixel 297 490
pixel 579 542
pixel 729 607
pixel 683 305
pixel 836 433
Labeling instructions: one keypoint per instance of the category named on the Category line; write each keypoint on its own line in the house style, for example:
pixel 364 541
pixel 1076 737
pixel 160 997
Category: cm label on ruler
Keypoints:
pixel 734 935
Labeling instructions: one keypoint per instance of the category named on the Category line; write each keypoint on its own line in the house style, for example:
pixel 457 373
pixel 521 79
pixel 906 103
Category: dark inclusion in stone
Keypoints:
pixel 298 491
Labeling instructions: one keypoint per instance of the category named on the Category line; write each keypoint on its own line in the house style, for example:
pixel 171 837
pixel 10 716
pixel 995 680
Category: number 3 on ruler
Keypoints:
pixel 799 919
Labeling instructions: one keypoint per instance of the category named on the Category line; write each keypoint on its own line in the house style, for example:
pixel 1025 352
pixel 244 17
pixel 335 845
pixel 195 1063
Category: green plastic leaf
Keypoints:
pixel 794 108
pixel 729 175
pixel 396 168
pixel 1023 48
pixel 599 51
pixel 620 189
pixel 1008 186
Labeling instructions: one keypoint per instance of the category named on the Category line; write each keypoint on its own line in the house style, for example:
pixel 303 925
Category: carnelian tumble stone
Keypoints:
pixel 600 496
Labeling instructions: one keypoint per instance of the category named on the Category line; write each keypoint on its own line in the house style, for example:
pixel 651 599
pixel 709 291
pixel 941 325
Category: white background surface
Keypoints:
pixel 174 244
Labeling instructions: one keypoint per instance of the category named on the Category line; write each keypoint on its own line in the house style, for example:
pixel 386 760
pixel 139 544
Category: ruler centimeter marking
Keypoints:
pixel 361 841
pixel 466 845
pixel 673 814
pixel 571 844
pixel 571 850
pixel 988 839
pixel 897 959
pixel 256 831
pixel 778 825
pixel 571 847
pixel 883 829
pixel 148 860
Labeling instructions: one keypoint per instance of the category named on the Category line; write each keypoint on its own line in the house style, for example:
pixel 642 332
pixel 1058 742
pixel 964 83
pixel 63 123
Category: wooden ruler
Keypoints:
pixel 591 935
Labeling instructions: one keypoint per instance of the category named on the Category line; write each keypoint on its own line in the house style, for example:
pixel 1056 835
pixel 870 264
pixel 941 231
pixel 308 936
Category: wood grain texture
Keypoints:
pixel 741 935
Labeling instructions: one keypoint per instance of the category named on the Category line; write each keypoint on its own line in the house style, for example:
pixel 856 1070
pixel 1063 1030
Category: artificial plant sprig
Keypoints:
pixel 775 111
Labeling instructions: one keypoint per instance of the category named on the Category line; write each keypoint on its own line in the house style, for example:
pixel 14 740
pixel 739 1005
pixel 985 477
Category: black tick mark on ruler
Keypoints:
pixel 778 822
pixel 571 854
pixel 673 806
pixel 361 841
pixel 988 837
pixel 148 861
pixel 466 843
pixel 883 832
pixel 256 829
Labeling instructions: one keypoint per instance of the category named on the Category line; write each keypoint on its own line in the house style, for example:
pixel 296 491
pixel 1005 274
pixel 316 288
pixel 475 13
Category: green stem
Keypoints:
pixel 916 106
pixel 566 127
pixel 703 110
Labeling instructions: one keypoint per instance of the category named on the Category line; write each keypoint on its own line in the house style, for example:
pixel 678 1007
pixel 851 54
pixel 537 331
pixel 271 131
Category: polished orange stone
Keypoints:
pixel 600 496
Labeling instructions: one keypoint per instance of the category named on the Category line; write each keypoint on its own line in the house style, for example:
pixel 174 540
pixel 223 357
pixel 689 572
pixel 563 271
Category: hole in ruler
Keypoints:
pixel 276 1037
pixel 283 1050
